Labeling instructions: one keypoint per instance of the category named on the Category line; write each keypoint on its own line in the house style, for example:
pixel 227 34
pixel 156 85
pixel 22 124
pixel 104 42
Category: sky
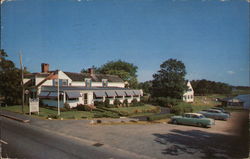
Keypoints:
pixel 211 37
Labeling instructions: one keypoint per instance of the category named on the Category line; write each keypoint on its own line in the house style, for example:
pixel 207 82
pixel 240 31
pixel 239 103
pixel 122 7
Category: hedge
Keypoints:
pixel 158 117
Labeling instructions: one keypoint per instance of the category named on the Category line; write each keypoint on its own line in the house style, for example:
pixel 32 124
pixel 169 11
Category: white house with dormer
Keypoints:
pixel 77 88
pixel 188 96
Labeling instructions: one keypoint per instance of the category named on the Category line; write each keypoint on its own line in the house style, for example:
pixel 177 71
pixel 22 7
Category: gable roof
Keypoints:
pixel 94 77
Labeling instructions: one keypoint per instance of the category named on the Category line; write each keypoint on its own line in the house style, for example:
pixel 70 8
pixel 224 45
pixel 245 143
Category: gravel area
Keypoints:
pixel 226 139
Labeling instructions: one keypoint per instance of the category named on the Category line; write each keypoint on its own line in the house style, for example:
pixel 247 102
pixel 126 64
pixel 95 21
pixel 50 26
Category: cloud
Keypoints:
pixel 230 72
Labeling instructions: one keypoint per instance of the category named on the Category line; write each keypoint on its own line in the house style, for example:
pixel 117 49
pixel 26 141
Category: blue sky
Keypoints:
pixel 211 37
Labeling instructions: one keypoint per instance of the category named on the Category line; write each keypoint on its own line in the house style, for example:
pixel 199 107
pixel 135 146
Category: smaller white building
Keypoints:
pixel 188 96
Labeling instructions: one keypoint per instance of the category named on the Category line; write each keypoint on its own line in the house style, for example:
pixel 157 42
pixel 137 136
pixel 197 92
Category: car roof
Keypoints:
pixel 215 110
pixel 194 114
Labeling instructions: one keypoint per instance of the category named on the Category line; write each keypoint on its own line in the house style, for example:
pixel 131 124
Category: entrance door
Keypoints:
pixel 85 98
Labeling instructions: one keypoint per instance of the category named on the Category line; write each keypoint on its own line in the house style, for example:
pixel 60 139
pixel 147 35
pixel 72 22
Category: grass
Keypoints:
pixel 75 114
pixel 44 112
pixel 139 110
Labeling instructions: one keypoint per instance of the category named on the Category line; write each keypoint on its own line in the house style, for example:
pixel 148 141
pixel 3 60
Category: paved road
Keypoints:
pixel 25 141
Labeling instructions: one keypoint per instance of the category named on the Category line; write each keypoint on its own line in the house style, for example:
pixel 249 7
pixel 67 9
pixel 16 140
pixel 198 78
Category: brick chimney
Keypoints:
pixel 45 68
pixel 91 71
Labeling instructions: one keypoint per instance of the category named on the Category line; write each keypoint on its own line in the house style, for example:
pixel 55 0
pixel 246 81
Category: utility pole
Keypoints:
pixel 21 67
pixel 58 95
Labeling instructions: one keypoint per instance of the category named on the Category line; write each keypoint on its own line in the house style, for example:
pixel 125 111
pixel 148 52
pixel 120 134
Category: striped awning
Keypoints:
pixel 43 94
pixel 73 94
pixel 100 93
pixel 52 94
pixel 120 93
pixel 129 92
pixel 110 93
pixel 137 92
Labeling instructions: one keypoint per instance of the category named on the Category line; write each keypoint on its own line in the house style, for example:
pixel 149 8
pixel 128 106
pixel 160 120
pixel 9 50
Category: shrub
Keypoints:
pixel 117 102
pixel 176 110
pixel 105 114
pixel 53 116
pixel 106 102
pixel 158 117
pixel 145 99
pixel 67 106
pixel 165 101
pixel 81 107
pixel 63 110
pixel 98 104
pixel 125 103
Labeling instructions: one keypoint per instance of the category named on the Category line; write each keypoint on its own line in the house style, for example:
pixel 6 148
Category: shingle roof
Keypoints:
pixel 94 77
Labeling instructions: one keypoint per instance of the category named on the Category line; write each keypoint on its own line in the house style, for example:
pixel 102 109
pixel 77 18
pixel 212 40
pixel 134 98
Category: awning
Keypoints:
pixel 53 94
pixel 43 94
pixel 110 93
pixel 120 93
pixel 73 94
pixel 137 92
pixel 100 94
pixel 129 93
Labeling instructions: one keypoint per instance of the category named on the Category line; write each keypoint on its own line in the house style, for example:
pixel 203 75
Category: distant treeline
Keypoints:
pixel 241 87
pixel 204 87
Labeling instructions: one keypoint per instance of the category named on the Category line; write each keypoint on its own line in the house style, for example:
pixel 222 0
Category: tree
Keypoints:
pixel 126 71
pixel 10 77
pixel 145 86
pixel 205 87
pixel 170 81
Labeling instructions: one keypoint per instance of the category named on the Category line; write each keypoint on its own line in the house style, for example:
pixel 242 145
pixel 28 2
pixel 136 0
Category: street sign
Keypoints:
pixel 34 105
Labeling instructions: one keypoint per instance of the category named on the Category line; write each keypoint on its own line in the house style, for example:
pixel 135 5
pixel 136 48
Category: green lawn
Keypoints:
pixel 74 114
pixel 138 110
pixel 44 112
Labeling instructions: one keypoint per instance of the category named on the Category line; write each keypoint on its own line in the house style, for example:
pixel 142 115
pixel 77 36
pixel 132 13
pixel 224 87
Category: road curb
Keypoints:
pixel 14 118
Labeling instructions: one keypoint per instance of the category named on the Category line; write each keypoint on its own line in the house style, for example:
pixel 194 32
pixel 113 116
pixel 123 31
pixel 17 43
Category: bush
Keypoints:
pixel 125 103
pixel 81 107
pixel 67 106
pixel 145 99
pixel 53 116
pixel 63 110
pixel 158 117
pixel 117 102
pixel 165 101
pixel 105 114
pixel 176 110
pixel 106 102
pixel 98 104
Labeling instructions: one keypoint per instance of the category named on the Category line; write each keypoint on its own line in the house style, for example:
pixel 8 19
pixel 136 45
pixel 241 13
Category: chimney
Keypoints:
pixel 45 68
pixel 91 71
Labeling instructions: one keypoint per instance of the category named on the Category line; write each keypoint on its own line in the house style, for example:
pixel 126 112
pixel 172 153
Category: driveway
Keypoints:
pixel 226 139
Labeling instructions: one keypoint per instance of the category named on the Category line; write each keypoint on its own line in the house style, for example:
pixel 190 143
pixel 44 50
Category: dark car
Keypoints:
pixel 222 110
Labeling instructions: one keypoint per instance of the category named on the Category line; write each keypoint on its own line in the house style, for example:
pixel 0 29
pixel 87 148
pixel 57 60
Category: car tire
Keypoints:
pixel 174 122
pixel 200 125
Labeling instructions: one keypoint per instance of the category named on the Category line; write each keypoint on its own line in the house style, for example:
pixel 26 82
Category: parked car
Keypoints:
pixel 214 114
pixel 222 110
pixel 193 119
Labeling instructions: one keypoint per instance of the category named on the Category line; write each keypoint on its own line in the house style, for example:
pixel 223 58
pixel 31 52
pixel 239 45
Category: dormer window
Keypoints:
pixel 62 82
pixel 104 82
pixel 88 82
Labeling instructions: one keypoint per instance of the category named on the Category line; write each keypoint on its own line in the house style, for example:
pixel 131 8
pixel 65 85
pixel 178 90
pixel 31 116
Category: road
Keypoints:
pixel 21 140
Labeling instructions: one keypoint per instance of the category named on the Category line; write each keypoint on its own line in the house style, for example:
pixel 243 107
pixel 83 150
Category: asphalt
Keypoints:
pixel 21 140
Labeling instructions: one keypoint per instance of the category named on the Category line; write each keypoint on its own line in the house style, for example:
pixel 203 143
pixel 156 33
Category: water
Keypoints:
pixel 246 99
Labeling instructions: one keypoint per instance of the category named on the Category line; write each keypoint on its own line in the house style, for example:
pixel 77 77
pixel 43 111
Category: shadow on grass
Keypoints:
pixel 211 145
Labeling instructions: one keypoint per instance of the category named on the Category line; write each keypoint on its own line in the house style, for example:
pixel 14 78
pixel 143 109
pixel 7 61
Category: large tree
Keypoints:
pixel 126 71
pixel 10 77
pixel 170 81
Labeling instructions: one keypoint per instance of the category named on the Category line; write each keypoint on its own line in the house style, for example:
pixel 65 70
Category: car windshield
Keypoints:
pixel 201 116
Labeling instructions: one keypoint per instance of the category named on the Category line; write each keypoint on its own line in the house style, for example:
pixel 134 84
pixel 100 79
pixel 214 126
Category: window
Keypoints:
pixel 104 82
pixel 62 82
pixel 88 82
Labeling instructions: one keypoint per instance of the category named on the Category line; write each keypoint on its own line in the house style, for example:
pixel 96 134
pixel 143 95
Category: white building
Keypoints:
pixel 188 96
pixel 77 88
